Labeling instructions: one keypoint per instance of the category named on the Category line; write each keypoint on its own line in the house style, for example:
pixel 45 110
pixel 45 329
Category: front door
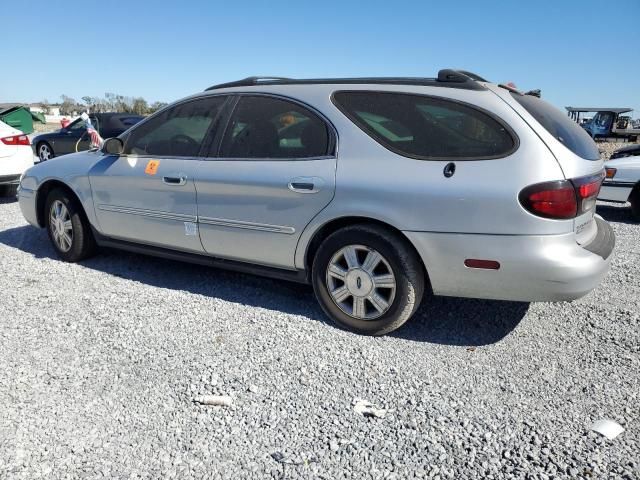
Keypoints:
pixel 148 193
pixel 274 172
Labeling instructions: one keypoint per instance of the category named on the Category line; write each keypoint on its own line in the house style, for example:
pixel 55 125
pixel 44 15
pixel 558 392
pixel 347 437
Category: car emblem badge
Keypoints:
pixel 359 283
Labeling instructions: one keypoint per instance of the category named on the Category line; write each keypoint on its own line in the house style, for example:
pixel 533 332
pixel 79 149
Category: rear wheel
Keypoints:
pixel 68 228
pixel 368 279
pixel 45 152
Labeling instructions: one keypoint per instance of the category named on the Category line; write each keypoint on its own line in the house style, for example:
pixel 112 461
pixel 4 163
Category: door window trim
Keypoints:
pixel 356 121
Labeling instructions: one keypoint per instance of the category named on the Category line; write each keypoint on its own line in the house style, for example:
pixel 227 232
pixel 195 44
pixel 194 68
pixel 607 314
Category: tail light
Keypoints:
pixel 611 172
pixel 16 140
pixel 562 199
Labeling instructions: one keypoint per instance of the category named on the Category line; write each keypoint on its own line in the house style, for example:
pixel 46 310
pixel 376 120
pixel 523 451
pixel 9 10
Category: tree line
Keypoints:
pixel 111 102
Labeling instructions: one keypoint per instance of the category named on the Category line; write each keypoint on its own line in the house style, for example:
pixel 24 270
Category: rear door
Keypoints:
pixel 274 171
pixel 148 194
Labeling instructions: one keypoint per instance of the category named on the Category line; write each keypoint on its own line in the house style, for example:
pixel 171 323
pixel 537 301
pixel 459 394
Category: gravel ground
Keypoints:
pixel 101 363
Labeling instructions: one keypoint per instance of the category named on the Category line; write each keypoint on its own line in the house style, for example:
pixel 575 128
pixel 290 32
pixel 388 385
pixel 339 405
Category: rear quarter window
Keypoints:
pixel 563 129
pixel 426 127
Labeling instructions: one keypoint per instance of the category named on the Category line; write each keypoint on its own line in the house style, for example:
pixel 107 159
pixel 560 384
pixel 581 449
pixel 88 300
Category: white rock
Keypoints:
pixel 607 428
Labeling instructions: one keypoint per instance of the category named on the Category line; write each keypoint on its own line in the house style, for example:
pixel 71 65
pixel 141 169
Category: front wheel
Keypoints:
pixel 368 279
pixel 68 228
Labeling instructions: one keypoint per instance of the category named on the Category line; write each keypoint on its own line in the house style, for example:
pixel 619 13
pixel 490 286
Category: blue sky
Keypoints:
pixel 164 50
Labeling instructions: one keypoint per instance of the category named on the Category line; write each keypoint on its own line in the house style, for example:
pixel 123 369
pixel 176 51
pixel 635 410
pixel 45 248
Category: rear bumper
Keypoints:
pixel 532 268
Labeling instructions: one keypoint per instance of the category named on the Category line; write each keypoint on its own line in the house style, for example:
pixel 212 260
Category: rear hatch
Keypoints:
pixel 573 148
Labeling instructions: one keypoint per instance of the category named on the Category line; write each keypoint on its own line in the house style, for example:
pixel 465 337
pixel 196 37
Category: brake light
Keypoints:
pixel 562 199
pixel 550 199
pixel 16 140
pixel 587 189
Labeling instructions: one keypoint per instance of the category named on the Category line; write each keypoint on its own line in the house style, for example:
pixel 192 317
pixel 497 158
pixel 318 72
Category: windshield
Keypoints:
pixel 565 130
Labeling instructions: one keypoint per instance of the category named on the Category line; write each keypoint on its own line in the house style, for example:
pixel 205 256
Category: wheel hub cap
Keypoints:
pixel 61 226
pixel 361 282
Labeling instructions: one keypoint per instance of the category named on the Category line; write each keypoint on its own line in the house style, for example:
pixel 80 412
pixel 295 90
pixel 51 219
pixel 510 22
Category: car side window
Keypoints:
pixel 424 127
pixel 77 125
pixel 177 131
pixel 267 127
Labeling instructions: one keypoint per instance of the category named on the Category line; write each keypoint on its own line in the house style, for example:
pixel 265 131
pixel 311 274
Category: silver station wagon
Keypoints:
pixel 377 191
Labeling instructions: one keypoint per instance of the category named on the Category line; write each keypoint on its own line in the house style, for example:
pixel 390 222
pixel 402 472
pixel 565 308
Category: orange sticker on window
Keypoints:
pixel 152 167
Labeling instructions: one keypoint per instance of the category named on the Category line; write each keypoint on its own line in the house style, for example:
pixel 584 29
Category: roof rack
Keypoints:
pixel 446 78
pixel 250 81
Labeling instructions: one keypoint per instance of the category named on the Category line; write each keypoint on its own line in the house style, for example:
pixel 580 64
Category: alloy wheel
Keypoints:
pixel 44 152
pixel 61 226
pixel 361 282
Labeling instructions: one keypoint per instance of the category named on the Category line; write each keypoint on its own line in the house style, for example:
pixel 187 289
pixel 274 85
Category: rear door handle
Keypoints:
pixel 176 181
pixel 305 184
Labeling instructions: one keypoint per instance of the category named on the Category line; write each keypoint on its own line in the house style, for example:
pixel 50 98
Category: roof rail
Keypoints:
pixel 446 78
pixel 458 76
pixel 247 82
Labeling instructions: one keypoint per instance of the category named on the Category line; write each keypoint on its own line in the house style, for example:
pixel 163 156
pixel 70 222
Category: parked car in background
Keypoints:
pixel 629 151
pixel 15 157
pixel 450 185
pixel 622 183
pixel 74 137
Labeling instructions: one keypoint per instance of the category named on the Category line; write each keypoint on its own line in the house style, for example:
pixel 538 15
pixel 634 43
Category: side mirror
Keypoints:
pixel 113 146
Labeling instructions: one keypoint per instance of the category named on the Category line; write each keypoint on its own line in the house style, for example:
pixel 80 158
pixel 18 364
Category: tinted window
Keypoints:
pixel 77 125
pixel 265 127
pixel 129 121
pixel 177 131
pixel 565 130
pixel 424 127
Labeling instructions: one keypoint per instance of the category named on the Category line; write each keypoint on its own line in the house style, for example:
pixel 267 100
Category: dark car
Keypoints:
pixel 74 137
pixel 630 151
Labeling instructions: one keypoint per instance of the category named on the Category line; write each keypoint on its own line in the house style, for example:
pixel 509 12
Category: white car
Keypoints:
pixel 622 183
pixel 15 157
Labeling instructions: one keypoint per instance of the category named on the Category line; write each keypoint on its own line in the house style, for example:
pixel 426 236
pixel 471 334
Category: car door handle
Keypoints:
pixel 305 184
pixel 177 181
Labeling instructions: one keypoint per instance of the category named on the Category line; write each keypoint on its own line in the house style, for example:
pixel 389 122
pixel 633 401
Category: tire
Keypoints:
pixel 634 198
pixel 78 243
pixel 337 282
pixel 45 152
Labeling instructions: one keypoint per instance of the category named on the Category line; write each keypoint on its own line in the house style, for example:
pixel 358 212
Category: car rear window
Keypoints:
pixel 563 129
pixel 425 127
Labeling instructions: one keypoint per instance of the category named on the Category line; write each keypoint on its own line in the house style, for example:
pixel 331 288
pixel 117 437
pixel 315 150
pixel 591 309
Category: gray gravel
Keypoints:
pixel 100 363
